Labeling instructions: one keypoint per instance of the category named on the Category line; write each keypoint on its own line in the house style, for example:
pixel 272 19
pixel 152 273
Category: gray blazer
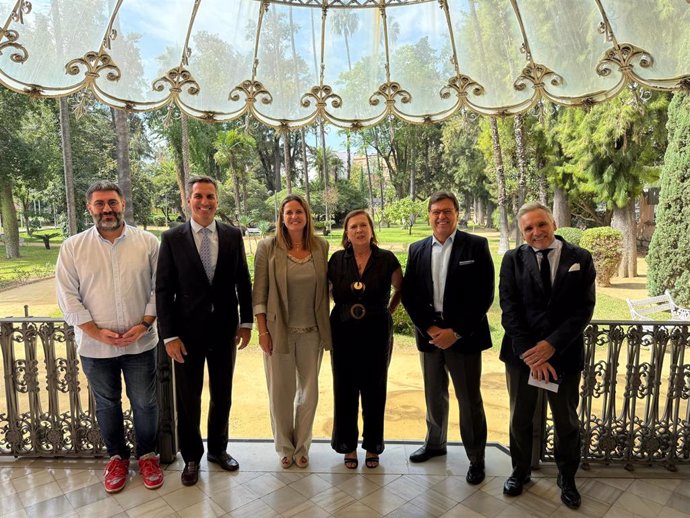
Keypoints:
pixel 269 294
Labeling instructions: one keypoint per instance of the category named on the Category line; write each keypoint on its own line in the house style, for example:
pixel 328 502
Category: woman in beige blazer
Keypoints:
pixel 290 299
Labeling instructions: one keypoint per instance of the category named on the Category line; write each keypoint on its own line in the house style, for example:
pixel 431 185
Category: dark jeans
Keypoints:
pixel 105 381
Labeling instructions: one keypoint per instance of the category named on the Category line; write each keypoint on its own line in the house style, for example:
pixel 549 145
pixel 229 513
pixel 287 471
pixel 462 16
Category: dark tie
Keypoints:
pixel 545 270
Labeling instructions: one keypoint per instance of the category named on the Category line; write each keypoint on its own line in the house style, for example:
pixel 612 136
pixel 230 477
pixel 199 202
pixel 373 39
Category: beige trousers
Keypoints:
pixel 293 392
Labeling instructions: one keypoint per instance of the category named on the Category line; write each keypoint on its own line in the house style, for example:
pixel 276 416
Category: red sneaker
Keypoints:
pixel 150 470
pixel 115 475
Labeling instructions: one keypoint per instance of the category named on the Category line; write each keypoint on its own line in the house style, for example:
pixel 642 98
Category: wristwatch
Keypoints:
pixel 146 324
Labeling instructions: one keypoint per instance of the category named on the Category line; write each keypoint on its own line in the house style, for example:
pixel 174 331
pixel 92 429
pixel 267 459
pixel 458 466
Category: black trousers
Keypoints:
pixel 563 404
pixel 466 371
pixel 189 383
pixel 360 360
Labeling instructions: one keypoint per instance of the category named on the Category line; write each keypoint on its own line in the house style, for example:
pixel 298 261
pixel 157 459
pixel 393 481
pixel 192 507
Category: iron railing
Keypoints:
pixel 634 409
pixel 635 395
pixel 48 409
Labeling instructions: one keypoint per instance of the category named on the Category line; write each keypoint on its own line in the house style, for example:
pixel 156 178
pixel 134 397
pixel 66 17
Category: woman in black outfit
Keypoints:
pixel 361 277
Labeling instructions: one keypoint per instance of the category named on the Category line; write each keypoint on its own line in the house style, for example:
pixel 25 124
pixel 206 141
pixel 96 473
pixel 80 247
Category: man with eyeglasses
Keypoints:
pixel 105 289
pixel 447 290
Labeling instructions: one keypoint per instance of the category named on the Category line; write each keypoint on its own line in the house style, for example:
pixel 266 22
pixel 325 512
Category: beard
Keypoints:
pixel 113 224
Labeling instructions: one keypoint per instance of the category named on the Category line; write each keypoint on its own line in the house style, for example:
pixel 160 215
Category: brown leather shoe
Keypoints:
pixel 190 473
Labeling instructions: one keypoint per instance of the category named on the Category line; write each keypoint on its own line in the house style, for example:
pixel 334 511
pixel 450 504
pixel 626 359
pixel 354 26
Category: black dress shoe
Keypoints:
pixel 190 473
pixel 423 454
pixel 224 460
pixel 569 493
pixel 514 484
pixel 476 473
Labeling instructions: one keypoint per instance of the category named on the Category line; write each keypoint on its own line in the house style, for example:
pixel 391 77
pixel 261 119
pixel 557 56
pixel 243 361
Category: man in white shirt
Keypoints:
pixel 105 289
pixel 447 290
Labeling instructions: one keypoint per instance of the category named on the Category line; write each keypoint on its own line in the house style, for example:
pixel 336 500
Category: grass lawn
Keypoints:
pixel 56 232
pixel 35 263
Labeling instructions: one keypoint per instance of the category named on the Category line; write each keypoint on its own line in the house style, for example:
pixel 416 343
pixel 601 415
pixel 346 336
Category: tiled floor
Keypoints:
pixel 53 488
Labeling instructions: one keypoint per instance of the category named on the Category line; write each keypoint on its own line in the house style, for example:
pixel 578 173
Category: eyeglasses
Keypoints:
pixel 99 204
pixel 446 212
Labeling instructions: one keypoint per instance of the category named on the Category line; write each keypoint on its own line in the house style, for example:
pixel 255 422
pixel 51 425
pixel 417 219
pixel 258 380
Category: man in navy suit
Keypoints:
pixel 447 290
pixel 202 277
pixel 547 297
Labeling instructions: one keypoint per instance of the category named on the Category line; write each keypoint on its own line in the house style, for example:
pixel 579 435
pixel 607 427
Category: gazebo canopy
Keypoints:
pixel 349 62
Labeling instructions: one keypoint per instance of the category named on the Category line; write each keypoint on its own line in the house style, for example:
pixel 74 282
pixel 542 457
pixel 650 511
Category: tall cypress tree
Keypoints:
pixel 668 259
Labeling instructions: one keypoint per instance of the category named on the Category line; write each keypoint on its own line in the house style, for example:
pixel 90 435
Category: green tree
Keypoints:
pixel 668 259
pixel 405 212
pixel 235 150
pixel 616 146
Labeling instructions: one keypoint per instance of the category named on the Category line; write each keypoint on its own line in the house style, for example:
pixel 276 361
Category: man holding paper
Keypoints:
pixel 547 298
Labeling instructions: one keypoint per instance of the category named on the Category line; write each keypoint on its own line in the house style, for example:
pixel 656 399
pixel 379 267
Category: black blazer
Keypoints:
pixel 528 317
pixel 188 305
pixel 467 297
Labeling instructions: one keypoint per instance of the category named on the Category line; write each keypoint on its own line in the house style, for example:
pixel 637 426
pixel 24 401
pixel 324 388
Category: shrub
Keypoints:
pixel 668 259
pixel 606 247
pixel 402 323
pixel 571 234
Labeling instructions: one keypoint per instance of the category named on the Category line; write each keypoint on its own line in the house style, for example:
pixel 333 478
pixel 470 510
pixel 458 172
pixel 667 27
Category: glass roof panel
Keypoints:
pixel 660 28
pixel 420 56
pixel 355 60
pixel 222 51
pixel 488 40
pixel 564 35
pixel 288 48
pixel 53 33
pixel 149 42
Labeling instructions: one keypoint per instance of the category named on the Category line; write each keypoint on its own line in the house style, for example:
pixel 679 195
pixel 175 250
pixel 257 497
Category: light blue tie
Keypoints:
pixel 205 253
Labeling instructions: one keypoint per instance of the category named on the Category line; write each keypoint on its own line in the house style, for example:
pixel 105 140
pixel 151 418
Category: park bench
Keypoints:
pixel 641 309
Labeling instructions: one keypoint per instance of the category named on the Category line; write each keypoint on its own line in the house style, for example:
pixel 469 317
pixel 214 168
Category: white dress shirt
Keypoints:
pixel 440 258
pixel 554 257
pixel 109 283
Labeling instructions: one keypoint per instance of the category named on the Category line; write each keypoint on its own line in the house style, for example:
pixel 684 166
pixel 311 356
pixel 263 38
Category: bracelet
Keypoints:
pixel 263 334
pixel 146 324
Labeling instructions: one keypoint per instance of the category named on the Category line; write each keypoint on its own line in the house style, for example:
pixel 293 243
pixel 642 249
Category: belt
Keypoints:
pixel 358 311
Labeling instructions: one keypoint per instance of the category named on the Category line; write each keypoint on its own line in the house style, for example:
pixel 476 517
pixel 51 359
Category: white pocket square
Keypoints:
pixel 574 268
pixel 463 263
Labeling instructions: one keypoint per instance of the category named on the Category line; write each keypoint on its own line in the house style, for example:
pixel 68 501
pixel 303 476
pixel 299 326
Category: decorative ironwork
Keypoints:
pixel 537 75
pixel 40 364
pixel 11 36
pixel 625 56
pixel 388 92
pixel 462 85
pixel 252 91
pixel 176 79
pixel 648 420
pixel 94 64
pixel 321 94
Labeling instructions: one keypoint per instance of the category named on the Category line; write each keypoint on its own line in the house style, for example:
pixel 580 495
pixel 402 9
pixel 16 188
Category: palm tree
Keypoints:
pixel 345 23
pixel 234 151
pixel 124 170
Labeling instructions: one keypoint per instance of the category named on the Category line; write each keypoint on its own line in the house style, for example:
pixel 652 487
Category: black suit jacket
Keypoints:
pixel 528 317
pixel 190 307
pixel 468 294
